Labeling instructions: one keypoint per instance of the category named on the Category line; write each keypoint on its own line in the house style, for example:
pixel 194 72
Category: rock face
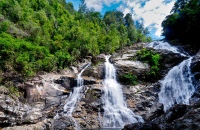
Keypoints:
pixel 142 98
pixel 13 112
pixel 86 112
pixel 125 64
pixel 169 60
pixel 45 97
pixel 135 67
pixel 178 117
pixel 46 94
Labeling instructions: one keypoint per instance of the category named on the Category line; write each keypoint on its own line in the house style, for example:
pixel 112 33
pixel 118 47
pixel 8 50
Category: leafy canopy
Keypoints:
pixel 46 35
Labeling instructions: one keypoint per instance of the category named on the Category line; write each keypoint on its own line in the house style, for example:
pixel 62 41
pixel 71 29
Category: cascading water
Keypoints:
pixel 116 114
pixel 159 45
pixel 74 97
pixel 177 86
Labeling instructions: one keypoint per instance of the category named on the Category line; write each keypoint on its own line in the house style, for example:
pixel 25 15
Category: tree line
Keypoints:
pixel 46 35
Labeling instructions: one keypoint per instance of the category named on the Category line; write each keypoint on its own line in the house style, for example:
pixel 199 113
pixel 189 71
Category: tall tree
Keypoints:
pixel 183 25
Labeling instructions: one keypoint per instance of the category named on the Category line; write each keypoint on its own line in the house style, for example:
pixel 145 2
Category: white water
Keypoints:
pixel 177 86
pixel 159 45
pixel 74 97
pixel 116 114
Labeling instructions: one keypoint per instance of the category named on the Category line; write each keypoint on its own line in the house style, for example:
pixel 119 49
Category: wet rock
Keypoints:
pixel 96 72
pixel 169 60
pixel 180 116
pixel 195 65
pixel 155 111
pixel 66 82
pixel 52 101
pixel 63 123
pixel 141 126
pixel 70 82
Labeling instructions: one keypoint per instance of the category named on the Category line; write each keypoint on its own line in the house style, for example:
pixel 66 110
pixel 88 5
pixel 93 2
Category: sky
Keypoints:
pixel 150 12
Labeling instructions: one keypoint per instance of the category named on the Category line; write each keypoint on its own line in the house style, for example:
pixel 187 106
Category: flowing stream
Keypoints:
pixel 116 114
pixel 177 87
pixel 75 97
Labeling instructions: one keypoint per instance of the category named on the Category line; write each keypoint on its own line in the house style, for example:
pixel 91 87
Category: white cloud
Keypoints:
pixel 98 4
pixel 153 12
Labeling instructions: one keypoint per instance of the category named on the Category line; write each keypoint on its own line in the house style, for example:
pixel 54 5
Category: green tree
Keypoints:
pixel 183 25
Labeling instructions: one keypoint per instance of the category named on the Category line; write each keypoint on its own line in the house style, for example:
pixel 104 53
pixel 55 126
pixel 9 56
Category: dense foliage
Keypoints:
pixel 152 58
pixel 128 79
pixel 45 35
pixel 183 24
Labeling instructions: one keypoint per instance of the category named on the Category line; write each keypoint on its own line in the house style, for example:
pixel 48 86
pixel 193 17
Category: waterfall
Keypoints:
pixel 177 86
pixel 74 96
pixel 159 45
pixel 116 114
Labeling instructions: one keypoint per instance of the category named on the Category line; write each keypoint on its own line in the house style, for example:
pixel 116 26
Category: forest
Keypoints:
pixel 182 25
pixel 46 35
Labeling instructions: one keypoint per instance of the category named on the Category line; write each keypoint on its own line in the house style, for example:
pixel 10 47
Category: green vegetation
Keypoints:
pixel 46 35
pixel 10 89
pixel 182 26
pixel 128 79
pixel 152 58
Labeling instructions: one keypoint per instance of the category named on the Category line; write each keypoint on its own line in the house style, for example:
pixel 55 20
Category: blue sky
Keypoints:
pixel 151 12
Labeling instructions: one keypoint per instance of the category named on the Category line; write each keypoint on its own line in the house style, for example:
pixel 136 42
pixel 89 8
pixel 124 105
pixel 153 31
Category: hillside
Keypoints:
pixel 47 35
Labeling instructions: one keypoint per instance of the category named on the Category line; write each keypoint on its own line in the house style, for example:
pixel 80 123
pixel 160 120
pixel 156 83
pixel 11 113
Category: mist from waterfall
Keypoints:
pixel 116 114
pixel 177 86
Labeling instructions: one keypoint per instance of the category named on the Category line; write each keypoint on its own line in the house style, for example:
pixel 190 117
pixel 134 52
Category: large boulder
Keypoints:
pixel 127 66
pixel 125 63
pixel 70 82
pixel 97 71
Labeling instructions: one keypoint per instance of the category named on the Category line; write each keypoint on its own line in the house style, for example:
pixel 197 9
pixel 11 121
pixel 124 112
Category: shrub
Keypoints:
pixel 150 57
pixel 128 79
